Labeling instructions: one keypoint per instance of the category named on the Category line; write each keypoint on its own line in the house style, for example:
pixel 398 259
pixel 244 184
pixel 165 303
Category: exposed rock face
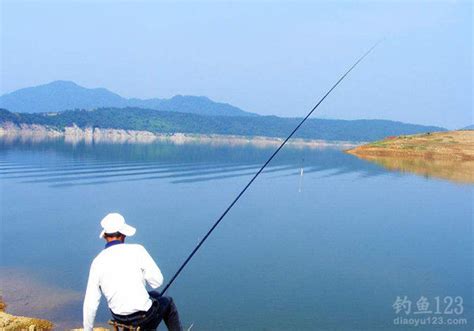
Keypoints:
pixel 75 134
pixel 31 130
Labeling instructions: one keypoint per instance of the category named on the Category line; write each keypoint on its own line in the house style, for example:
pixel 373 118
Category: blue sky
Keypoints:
pixel 268 57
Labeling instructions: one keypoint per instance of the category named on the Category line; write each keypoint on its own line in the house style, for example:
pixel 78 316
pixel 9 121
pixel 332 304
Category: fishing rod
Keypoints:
pixel 261 169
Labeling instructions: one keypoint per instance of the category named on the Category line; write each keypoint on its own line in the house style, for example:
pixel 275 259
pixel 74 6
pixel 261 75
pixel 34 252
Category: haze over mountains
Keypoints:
pixel 62 104
pixel 65 95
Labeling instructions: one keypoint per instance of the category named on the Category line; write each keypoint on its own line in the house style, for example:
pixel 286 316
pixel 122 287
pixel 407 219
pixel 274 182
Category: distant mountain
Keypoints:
pixel 172 122
pixel 469 127
pixel 65 95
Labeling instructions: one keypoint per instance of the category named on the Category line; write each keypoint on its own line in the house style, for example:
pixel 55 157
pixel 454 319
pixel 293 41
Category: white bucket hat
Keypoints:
pixel 114 222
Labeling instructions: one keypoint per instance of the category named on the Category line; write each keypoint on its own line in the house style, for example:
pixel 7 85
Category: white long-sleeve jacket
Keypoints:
pixel 121 273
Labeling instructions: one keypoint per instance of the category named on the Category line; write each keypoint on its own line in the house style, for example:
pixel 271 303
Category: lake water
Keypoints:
pixel 329 250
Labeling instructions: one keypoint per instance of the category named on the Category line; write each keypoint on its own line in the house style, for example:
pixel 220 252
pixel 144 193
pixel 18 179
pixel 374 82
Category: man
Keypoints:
pixel 121 272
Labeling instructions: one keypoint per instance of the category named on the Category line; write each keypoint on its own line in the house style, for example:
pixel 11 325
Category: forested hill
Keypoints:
pixel 62 95
pixel 172 122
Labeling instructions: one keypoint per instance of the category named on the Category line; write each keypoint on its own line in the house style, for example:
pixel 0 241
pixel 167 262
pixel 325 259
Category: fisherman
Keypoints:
pixel 121 272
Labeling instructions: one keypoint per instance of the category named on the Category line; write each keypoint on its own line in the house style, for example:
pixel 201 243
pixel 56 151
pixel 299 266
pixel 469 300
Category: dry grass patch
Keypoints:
pixel 448 155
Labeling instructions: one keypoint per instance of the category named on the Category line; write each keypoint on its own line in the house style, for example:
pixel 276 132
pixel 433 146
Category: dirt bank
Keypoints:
pixel 10 322
pixel 448 155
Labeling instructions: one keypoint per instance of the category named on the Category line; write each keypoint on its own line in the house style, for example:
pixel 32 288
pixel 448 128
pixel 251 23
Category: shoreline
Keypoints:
pixel 32 303
pixel 75 134
pixel 447 155
pixel 13 322
pixel 449 145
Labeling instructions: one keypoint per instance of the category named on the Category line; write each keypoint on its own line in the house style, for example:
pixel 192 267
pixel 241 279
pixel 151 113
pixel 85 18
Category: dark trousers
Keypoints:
pixel 163 308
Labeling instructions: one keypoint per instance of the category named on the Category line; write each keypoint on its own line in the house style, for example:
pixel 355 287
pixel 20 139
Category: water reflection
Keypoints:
pixel 84 163
pixel 27 295
pixel 339 243
pixel 454 170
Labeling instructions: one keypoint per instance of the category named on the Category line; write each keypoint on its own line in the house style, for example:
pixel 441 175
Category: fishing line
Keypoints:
pixel 261 169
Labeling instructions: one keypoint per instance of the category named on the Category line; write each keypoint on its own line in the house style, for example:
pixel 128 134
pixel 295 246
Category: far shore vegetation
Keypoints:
pixel 169 122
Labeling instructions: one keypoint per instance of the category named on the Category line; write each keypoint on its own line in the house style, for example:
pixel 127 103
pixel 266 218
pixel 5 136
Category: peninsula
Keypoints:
pixel 448 154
